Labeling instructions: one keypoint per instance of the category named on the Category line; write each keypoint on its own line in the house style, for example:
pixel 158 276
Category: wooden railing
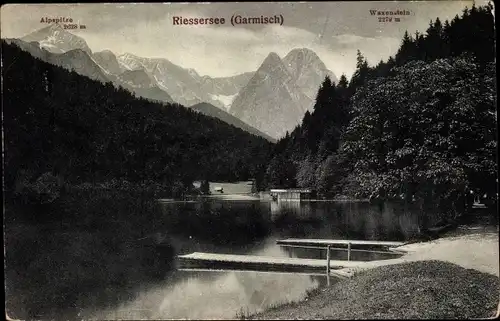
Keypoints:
pixel 327 244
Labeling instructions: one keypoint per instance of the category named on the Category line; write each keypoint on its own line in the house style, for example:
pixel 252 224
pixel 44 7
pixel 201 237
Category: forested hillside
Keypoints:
pixel 78 130
pixel 420 126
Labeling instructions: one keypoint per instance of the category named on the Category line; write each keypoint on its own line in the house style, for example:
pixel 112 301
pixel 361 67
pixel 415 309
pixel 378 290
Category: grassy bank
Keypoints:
pixel 416 290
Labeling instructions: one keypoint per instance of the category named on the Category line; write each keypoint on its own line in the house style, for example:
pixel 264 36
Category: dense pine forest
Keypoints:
pixel 64 128
pixel 84 163
pixel 419 127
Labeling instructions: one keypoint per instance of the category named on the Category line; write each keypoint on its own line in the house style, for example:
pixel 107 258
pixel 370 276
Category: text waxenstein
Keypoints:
pixel 390 12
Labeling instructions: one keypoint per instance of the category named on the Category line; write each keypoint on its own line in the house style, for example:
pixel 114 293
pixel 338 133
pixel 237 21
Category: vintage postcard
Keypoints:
pixel 304 160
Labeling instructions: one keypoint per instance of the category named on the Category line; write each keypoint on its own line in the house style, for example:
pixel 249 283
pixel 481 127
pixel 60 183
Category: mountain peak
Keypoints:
pixel 55 39
pixel 281 91
pixel 273 55
pixel 193 72
pixel 272 59
pixel 307 69
pixel 106 59
pixel 302 52
pixel 106 52
pixel 52 27
pixel 128 61
pixel 127 55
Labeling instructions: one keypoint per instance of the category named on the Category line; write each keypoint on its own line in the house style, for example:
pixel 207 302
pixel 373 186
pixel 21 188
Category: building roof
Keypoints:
pixel 292 190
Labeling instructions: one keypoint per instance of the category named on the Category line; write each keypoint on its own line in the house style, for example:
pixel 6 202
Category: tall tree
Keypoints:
pixel 437 135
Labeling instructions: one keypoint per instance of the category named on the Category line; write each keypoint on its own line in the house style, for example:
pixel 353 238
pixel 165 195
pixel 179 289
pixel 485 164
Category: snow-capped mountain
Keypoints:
pixel 272 102
pixel 225 100
pixel 281 91
pixel 56 46
pixel 84 64
pixel 273 99
pixel 57 40
pixel 186 86
pixel 181 83
pixel 225 89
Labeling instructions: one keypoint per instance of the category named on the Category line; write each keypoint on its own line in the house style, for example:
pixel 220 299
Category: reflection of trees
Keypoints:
pixel 219 222
pixel 298 209
pixel 392 221
pixel 279 208
pixel 290 224
pixel 347 220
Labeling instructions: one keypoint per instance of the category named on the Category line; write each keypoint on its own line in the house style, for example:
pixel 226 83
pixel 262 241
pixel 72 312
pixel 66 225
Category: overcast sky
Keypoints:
pixel 334 30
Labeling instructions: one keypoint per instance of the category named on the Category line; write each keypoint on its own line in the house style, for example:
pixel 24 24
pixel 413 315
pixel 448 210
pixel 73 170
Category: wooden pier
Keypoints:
pixel 341 268
pixel 214 261
pixel 387 247
pixel 254 271
pixel 326 242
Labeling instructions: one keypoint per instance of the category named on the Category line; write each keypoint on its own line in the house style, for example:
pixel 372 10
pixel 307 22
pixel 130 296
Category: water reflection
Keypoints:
pixel 214 295
pixel 223 294
pixel 355 220
pixel 105 272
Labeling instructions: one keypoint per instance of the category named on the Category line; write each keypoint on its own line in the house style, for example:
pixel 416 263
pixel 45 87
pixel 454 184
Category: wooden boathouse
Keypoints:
pixel 296 194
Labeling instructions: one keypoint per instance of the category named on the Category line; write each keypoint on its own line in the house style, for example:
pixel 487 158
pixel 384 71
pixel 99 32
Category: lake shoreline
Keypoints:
pixel 461 251
pixel 67 257
pixel 255 196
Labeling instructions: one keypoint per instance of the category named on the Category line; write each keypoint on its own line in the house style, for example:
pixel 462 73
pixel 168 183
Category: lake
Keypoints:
pixel 104 273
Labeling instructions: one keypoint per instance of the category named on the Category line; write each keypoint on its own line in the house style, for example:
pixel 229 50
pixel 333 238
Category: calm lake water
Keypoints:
pixel 82 275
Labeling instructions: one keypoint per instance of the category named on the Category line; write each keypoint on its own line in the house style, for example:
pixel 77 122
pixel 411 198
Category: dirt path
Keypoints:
pixel 473 251
pixel 429 288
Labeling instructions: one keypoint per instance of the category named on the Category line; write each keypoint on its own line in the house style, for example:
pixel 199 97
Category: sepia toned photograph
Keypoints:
pixel 263 160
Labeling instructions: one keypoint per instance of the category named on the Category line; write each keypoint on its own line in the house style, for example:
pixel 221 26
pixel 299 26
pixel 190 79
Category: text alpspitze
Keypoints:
pixel 56 20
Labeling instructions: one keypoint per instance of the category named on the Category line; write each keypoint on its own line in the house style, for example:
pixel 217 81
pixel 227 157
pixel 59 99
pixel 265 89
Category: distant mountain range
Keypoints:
pixel 186 86
pixel 267 102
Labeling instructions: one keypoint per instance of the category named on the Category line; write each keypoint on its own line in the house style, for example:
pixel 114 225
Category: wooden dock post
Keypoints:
pixel 328 265
pixel 348 251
